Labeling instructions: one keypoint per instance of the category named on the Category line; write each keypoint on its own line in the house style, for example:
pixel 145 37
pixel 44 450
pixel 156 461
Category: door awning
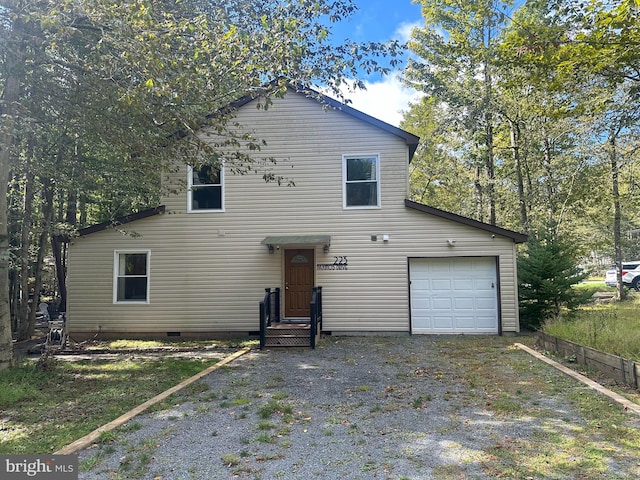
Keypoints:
pixel 283 240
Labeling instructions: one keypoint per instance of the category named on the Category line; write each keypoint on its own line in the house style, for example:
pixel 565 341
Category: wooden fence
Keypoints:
pixel 617 368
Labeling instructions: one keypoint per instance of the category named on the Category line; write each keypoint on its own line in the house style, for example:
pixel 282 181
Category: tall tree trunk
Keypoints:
pixel 59 255
pixel 490 167
pixel 47 215
pixel 617 243
pixel 551 206
pixel 478 195
pixel 14 67
pixel 14 294
pixel 59 252
pixel 488 115
pixel 82 206
pixel 6 141
pixel 25 330
pixel 515 155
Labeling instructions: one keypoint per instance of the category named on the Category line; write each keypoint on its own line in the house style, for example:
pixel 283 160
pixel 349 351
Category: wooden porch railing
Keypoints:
pixel 269 312
pixel 316 314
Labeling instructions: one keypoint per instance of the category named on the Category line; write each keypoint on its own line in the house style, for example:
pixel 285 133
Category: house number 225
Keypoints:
pixel 340 261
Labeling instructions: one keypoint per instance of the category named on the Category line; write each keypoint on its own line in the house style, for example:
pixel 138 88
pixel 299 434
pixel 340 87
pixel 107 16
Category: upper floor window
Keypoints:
pixel 206 189
pixel 131 277
pixel 361 181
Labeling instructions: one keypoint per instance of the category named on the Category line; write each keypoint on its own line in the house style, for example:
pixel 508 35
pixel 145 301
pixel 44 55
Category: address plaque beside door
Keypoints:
pixel 339 263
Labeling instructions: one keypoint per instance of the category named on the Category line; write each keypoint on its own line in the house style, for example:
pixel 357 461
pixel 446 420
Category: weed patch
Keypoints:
pixel 612 328
pixel 45 410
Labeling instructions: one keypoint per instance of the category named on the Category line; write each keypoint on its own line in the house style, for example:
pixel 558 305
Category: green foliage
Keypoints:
pixel 533 89
pixel 436 176
pixel 613 328
pixel 547 271
pixel 455 66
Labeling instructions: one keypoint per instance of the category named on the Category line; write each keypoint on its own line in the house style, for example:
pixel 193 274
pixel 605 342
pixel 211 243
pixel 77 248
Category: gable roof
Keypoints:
pixel 149 212
pixel 515 236
pixel 410 139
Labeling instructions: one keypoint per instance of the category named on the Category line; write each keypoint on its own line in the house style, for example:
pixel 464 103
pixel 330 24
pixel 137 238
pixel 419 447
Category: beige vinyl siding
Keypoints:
pixel 208 270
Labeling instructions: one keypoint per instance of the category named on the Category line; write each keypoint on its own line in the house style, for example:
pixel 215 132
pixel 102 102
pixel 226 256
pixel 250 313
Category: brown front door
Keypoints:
pixel 298 282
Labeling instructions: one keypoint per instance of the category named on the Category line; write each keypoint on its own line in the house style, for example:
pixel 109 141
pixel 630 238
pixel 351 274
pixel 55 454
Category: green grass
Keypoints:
pixel 42 411
pixel 612 327
pixel 272 407
pixel 593 286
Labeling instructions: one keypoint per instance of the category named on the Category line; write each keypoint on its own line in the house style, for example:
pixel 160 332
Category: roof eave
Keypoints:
pixel 515 236
pixel 121 220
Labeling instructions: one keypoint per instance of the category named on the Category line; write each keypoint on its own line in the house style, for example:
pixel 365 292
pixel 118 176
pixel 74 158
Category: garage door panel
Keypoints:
pixel 421 304
pixel 442 303
pixel 485 324
pixel 443 285
pixel 464 303
pixel 421 284
pixel 439 266
pixel 442 322
pixel 485 304
pixel 462 284
pixel 467 323
pixel 454 295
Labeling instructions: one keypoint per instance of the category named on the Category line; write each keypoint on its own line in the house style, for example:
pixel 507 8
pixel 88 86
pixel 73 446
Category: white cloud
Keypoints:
pixel 403 32
pixel 386 100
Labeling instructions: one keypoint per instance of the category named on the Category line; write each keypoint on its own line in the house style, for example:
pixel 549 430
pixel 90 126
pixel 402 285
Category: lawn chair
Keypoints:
pixel 57 335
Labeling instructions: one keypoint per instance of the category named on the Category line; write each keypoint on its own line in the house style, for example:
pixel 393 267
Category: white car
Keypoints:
pixel 631 278
pixel 610 277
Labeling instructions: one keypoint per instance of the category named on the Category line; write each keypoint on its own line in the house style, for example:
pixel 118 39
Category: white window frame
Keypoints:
pixel 190 185
pixel 345 158
pixel 116 275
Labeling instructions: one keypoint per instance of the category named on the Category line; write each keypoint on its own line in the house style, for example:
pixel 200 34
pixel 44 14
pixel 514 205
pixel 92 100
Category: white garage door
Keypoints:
pixel 453 295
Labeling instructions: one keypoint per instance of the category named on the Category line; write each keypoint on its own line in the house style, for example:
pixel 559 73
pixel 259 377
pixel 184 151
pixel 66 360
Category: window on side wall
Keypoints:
pixel 131 282
pixel 206 189
pixel 361 181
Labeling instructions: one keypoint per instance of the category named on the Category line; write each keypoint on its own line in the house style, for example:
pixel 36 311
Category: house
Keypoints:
pixel 198 265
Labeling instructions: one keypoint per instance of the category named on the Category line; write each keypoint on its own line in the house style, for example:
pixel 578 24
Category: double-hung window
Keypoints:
pixel 361 181
pixel 131 276
pixel 206 192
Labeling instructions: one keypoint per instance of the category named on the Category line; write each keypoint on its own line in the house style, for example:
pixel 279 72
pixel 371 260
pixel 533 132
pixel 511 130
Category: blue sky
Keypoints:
pixel 378 19
pixel 381 20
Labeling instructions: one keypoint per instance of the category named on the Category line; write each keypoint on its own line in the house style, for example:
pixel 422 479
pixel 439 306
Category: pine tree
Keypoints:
pixel 547 272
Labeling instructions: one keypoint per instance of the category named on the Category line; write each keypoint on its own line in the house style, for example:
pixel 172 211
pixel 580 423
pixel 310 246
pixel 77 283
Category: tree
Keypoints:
pixel 456 64
pixel 436 175
pixel 546 273
pixel 574 44
pixel 605 32
pixel 554 93
pixel 111 86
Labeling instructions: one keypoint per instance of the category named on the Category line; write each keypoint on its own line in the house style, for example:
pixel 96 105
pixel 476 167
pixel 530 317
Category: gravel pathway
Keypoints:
pixel 416 407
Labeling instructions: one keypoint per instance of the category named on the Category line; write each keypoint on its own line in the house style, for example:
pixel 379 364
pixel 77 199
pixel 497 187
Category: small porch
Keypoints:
pixel 299 332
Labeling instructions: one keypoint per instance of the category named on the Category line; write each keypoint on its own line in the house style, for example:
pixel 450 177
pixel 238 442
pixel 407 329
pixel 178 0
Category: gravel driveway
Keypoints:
pixel 418 407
